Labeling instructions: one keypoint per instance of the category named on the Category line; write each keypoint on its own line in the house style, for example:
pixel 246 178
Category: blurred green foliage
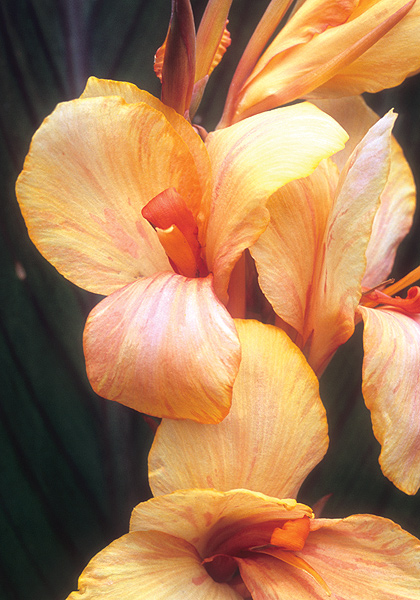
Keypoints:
pixel 72 465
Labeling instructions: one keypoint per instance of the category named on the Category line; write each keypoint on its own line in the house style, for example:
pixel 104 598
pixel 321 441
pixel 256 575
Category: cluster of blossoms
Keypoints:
pixel 128 199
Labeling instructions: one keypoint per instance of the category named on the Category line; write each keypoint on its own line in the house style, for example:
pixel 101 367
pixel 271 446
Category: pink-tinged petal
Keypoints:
pixel 395 214
pixel 152 566
pixel 313 279
pixel 268 578
pixel 208 518
pixel 331 319
pixel 92 166
pixel 274 435
pixel 364 556
pixel 165 346
pixel 251 160
pixel 391 389
pixel 288 251
pixel 131 94
pixel 314 68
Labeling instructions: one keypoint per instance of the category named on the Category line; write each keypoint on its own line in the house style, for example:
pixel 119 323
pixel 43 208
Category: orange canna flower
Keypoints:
pixel 216 527
pixel 333 237
pixel 124 198
pixel 327 49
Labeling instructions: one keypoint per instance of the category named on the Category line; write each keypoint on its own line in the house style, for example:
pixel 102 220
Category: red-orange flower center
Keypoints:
pixel 177 230
pixel 278 539
pixel 285 535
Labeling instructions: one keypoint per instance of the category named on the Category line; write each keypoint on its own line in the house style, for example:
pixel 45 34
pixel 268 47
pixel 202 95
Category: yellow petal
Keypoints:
pixel 391 389
pixel 288 252
pixel 92 166
pixel 164 346
pixel 151 566
pixel 131 93
pixel 274 435
pixel 395 214
pixel 251 160
pixel 364 556
pixel 207 518
pixel 313 279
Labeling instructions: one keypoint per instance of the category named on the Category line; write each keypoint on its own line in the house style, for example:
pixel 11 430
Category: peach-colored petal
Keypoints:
pixel 274 435
pixel 311 19
pixel 358 557
pixel 387 63
pixel 261 36
pixel 347 235
pixel 395 214
pixel 206 518
pixel 165 346
pixel 327 255
pixel 131 93
pixel 251 160
pixel 287 252
pixel 92 166
pixel 268 578
pixel 317 68
pixel 364 556
pixel 391 389
pixel 152 566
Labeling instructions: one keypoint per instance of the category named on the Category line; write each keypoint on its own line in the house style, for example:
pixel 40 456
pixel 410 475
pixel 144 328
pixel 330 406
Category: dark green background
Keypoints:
pixel 72 465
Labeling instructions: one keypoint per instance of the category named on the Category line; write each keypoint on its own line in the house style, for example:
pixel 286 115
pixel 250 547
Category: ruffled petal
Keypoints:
pixel 274 435
pixel 206 518
pixel 391 389
pixel 93 165
pixel 164 346
pixel 364 556
pixel 395 215
pixel 151 566
pixel 251 160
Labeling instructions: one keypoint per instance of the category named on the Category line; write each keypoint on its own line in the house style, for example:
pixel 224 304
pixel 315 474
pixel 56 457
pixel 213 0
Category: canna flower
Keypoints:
pixel 224 523
pixel 327 49
pixel 124 198
pixel 330 244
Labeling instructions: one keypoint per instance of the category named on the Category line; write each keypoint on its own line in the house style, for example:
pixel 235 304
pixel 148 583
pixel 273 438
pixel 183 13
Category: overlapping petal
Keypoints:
pixel 346 49
pixel 391 389
pixel 251 160
pixel 326 249
pixel 364 556
pixel 273 437
pixel 92 166
pixel 132 94
pixel 206 517
pixel 359 557
pixel 146 346
pixel 152 566
pixel 395 215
